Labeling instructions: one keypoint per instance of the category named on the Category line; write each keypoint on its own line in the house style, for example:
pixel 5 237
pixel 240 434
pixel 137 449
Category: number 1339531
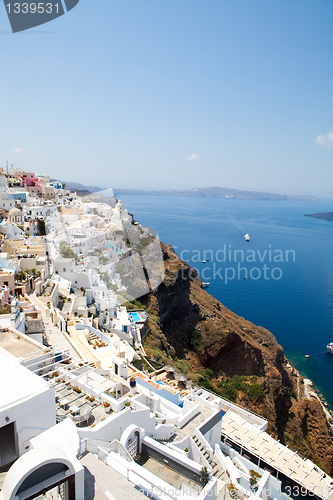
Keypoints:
pixel 32 8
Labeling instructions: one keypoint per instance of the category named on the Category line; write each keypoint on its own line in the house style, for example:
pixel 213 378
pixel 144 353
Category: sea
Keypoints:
pixel 288 263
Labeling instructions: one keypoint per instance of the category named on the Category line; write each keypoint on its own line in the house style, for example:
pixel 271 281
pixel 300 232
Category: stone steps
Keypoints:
pixel 216 471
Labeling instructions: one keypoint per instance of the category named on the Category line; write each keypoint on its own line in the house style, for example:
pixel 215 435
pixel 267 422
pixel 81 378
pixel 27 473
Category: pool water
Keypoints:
pixel 135 317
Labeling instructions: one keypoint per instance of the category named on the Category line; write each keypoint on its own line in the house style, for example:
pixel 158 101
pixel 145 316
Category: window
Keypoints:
pixel 63 269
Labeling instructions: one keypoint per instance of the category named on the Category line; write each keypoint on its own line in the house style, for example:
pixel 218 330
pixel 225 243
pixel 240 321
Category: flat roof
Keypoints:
pixel 275 454
pixel 20 382
pixel 18 344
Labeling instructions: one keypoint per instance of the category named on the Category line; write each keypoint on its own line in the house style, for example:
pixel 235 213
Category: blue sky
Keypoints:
pixel 122 94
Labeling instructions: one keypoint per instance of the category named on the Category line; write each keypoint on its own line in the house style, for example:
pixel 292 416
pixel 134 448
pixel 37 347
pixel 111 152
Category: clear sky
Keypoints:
pixel 157 94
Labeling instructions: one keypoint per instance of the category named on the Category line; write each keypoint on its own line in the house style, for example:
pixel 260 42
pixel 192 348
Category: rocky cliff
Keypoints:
pixel 235 358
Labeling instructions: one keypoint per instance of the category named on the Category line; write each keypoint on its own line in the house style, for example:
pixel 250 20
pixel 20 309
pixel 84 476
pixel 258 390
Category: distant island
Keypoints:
pixel 218 192
pixel 210 192
pixel 324 215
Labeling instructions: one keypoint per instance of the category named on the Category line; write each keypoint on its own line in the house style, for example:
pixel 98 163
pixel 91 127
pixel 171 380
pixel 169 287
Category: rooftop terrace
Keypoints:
pixel 77 406
pixel 274 455
pixel 18 344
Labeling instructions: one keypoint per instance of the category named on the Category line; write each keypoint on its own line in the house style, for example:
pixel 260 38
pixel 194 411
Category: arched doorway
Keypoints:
pixel 131 439
pixel 38 471
pixel 133 444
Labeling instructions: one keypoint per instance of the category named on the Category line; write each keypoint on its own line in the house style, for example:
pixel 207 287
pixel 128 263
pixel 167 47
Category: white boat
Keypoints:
pixel 330 347
pixel 204 262
pixel 204 284
pixel 247 237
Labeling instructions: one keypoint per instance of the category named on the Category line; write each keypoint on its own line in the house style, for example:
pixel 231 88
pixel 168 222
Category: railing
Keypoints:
pixel 247 412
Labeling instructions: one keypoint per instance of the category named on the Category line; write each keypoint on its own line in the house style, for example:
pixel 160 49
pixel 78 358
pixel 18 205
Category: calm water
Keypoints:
pixel 298 307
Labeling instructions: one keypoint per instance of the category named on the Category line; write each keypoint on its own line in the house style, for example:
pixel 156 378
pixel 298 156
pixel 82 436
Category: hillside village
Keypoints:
pixel 84 413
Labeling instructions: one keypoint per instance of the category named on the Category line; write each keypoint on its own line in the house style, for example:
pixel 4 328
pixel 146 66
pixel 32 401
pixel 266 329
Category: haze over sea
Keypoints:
pixel 298 307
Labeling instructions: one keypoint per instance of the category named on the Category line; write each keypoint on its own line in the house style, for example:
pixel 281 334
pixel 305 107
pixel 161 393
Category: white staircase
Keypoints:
pixel 216 470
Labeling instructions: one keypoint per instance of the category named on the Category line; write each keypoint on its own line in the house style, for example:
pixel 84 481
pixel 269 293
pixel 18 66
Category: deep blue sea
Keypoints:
pixel 296 306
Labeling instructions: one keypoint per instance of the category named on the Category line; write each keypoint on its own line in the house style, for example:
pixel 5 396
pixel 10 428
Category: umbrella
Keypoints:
pixel 169 369
pixel 181 377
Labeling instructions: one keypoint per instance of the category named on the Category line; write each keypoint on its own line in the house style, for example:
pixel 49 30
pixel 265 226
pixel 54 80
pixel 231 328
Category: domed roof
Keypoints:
pixel 15 211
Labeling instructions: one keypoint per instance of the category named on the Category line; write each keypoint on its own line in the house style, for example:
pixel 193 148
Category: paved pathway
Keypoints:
pixel 54 335
pixel 101 482
pixel 190 427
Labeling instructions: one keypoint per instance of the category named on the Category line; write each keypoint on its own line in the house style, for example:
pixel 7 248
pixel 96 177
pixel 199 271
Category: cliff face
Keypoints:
pixel 231 346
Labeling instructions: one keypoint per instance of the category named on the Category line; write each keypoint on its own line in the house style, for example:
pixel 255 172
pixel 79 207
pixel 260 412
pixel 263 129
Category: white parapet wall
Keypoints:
pixel 153 485
pixel 211 400
pixel 209 432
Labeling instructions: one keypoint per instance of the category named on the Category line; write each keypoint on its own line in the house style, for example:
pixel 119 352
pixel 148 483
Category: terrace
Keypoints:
pixel 19 344
pixel 162 471
pixel 85 411
pixel 280 461
pixel 193 423
pixel 48 289
pixel 168 380
pixel 83 393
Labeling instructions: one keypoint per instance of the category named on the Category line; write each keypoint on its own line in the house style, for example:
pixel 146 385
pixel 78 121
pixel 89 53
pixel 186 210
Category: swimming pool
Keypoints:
pixel 135 317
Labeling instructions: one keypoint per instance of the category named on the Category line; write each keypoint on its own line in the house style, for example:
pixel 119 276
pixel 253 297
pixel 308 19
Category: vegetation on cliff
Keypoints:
pixel 232 357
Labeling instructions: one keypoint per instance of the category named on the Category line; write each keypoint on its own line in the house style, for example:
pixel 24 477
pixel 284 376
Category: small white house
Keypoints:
pixel 27 407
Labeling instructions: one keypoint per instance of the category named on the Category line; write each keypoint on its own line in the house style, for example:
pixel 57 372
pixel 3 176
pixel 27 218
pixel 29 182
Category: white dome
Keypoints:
pixel 15 211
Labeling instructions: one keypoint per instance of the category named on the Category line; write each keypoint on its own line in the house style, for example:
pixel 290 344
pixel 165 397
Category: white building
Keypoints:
pixel 27 407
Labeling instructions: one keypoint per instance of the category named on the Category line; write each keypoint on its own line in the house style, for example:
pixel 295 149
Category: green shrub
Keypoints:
pixel 238 382
pixel 293 393
pixel 182 366
pixel 230 393
pixel 204 476
pixel 137 304
pixel 172 352
pixel 66 252
pixel 41 230
pixel 157 354
pixel 209 373
pixel 255 393
pixel 206 384
pixel 151 312
pixel 194 339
